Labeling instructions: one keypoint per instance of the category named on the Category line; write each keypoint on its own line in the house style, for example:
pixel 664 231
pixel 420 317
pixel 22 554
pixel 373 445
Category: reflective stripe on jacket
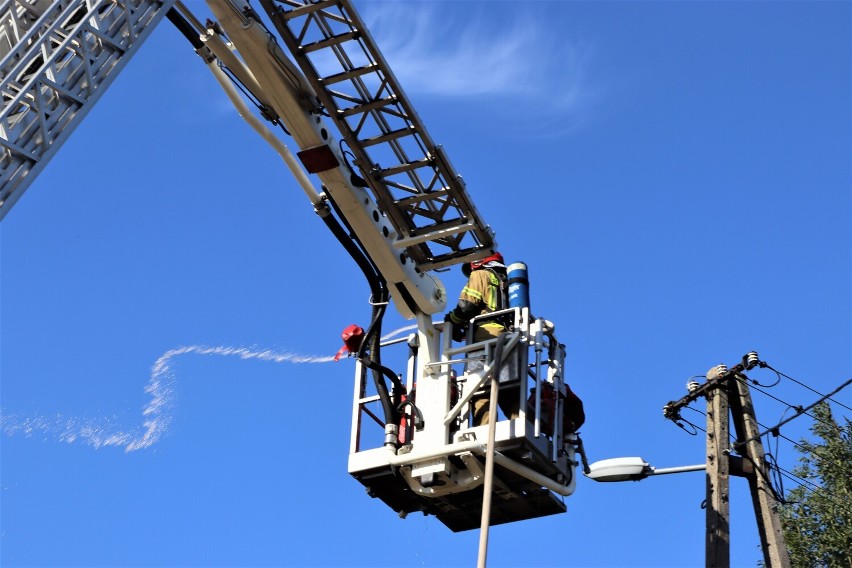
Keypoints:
pixel 484 289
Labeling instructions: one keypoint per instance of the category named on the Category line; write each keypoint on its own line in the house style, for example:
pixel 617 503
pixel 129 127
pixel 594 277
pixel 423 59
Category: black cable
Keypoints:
pixel 378 286
pixel 774 458
pixel 777 483
pixel 780 374
pixel 814 488
pixel 777 433
pixel 733 439
pixel 184 27
pixel 701 412
pixel 354 178
pixel 394 379
pixel 799 412
pixel 777 380
pixel 773 397
pixel 787 404
pixel 678 420
pixel 759 471
pixel 371 343
pixel 379 298
pixel 800 480
pixel 263 110
pixel 192 35
pixel 695 428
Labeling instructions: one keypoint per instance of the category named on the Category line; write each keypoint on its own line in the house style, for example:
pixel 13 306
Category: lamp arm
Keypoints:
pixel 681 469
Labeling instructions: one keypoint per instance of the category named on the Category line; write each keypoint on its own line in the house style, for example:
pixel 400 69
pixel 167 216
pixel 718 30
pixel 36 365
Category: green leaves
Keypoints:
pixel 817 515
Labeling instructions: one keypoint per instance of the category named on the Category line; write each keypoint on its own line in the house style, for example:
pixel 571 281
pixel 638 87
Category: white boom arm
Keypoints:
pixel 405 214
pixel 285 90
pixel 426 455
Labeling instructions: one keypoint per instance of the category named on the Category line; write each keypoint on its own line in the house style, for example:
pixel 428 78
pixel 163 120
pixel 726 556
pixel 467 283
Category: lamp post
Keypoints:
pixel 727 393
pixel 637 469
pixel 632 469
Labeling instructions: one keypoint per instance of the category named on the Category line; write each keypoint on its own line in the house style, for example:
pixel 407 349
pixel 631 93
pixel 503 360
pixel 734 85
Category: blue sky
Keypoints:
pixel 676 175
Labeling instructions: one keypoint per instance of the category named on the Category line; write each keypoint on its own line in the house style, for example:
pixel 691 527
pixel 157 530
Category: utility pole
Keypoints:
pixel 728 396
pixel 763 497
pixel 717 505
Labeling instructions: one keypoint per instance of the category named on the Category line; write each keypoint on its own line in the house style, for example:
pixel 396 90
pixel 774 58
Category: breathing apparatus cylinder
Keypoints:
pixel 519 285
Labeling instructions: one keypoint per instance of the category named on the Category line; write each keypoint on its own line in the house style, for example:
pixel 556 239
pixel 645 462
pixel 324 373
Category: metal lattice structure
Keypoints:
pixel 57 59
pixel 410 176
pixel 396 193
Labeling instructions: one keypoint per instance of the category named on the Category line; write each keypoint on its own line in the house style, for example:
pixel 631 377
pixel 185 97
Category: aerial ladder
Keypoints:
pixel 395 202
pixel 56 59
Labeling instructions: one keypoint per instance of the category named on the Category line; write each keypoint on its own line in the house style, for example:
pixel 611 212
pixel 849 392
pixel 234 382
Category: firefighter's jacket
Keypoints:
pixel 483 294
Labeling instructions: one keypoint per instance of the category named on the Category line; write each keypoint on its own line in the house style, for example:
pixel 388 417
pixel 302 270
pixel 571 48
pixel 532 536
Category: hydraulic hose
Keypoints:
pixel 371 343
pixel 372 338
pixel 185 28
pixel 378 286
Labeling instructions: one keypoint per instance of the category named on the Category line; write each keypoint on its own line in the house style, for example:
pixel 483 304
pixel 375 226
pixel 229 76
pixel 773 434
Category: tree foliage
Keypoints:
pixel 817 515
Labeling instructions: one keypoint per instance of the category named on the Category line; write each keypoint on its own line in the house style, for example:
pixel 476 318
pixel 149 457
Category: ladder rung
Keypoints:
pixel 357 72
pixel 15 149
pixel 377 115
pixel 434 235
pixel 61 91
pixel 420 197
pixel 393 135
pixel 308 9
pixel 387 172
pixel 443 260
pixel 372 105
pixel 333 40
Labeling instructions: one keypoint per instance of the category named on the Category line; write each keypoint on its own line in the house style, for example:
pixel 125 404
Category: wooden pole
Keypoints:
pixel 718 544
pixel 775 554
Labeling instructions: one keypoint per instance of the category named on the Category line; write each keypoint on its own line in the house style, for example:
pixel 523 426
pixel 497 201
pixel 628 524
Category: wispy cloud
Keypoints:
pixel 462 49
pixel 157 414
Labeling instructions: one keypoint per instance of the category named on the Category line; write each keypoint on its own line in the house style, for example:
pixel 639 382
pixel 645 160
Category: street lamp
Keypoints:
pixel 727 395
pixel 632 469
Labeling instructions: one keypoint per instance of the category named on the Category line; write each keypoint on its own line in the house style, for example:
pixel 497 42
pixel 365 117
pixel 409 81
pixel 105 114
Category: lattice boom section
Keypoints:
pixel 63 58
pixel 411 177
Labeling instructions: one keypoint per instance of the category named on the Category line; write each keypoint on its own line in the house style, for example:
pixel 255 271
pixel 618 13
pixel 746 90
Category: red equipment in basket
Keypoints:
pixel 573 415
pixel 352 337
pixel 406 418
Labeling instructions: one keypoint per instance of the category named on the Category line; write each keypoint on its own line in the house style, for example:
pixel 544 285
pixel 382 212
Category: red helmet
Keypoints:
pixel 468 267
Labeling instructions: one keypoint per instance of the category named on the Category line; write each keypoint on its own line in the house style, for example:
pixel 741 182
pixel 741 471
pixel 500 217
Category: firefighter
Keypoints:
pixel 485 293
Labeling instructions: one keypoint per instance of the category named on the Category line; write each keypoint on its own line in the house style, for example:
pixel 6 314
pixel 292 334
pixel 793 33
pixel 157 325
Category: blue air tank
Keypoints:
pixel 519 285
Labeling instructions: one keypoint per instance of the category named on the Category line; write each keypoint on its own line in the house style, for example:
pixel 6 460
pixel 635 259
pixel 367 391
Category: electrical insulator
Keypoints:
pixel 692 385
pixel 716 372
pixel 751 360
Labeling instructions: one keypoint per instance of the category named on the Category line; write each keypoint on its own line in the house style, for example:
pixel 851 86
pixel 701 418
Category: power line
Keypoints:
pixel 733 437
pixel 695 427
pixel 799 480
pixel 814 488
pixel 780 435
pixel 780 374
pixel 726 399
pixel 799 412
pixel 742 378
